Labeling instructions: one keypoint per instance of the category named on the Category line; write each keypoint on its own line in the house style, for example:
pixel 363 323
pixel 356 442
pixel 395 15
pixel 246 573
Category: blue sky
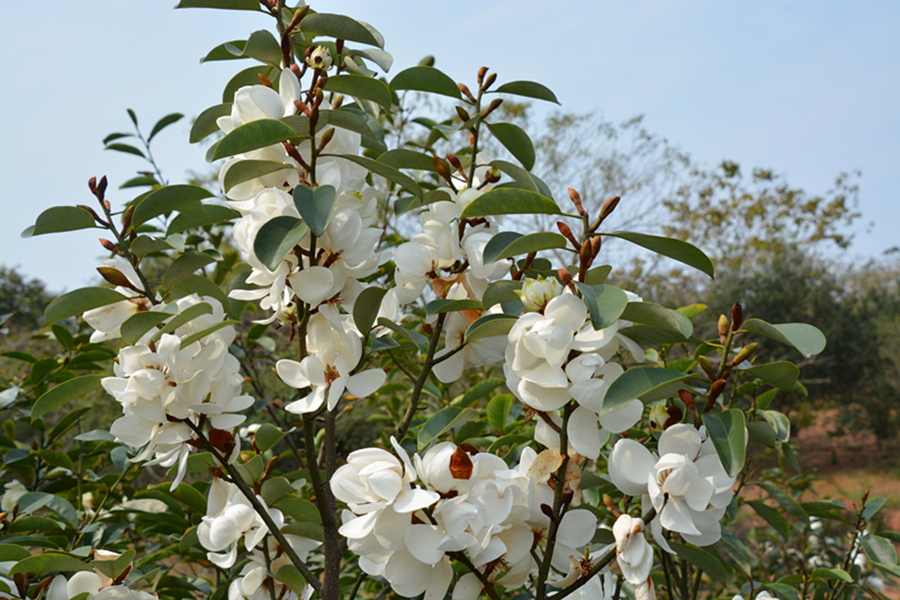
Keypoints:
pixel 809 89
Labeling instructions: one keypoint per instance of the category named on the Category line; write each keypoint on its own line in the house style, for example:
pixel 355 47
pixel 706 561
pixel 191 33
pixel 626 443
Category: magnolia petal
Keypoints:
pixel 423 541
pixel 412 500
pixel 359 527
pixel 467 588
pixel 584 435
pixel 366 383
pixel 83 581
pixel 313 285
pixel 630 466
pixel 577 528
pixel 680 439
pixel 622 417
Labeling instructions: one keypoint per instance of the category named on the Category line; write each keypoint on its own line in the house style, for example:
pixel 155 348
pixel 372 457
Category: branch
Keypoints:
pixel 423 377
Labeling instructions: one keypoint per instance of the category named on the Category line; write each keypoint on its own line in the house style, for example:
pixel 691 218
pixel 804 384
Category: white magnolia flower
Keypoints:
pixel 320 58
pixel 253 584
pixel 536 293
pixel 106 320
pixel 255 102
pixel 633 554
pixel 14 490
pixel 686 484
pixel 328 374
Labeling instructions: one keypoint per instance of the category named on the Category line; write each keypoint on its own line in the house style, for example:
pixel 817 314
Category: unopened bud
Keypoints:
pixel 490 81
pixel 567 232
pixel 609 206
pixel 536 293
pixel 481 73
pixel 472 140
pixel 336 103
pixel 564 276
pixel 463 115
pixel 454 161
pixel 567 495
pixel 466 92
pixel 320 95
pixel 313 119
pixel 576 200
pixel 319 58
pixel 109 246
pixel 737 316
pixel 494 105
pixel 326 137
pixel 302 107
pixel 101 185
pixel 295 69
pixel 127 216
pixel 298 16
pixel 548 511
pixel 92 184
pixel 707 367
pixel 443 169
pixel 745 353
pixel 687 398
pixel 714 392
pixel 265 81
pixel 586 257
pixel 595 246
pixel 492 175
pixel 675 416
pixel 723 328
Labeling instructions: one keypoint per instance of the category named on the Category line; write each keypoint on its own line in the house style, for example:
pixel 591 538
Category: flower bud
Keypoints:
pixel 92 185
pixel 265 81
pixel 609 206
pixel 723 328
pixel 465 90
pixel 320 58
pixel 737 316
pixel 707 367
pixel 101 186
pixel 714 392
pixel 326 137
pixel 675 416
pixel 536 293
pixel 586 256
pixel 481 73
pixel 93 214
pixel 114 277
pixel 492 175
pixel 687 398
pixel 595 246
pixel 565 277
pixel 463 115
pixel 567 232
pixel 298 16
pixel 336 103
pixel 576 200
pixel 127 216
pixel 455 162
pixel 109 246
pixel 442 169
pixel 745 353
pixel 494 105
pixel 659 415
pixel 490 81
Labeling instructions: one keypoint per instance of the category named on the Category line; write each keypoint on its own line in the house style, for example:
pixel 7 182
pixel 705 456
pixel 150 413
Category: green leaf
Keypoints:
pixel 183 266
pixel 480 389
pixel 276 238
pixel 773 517
pixel 498 411
pixel 786 501
pixel 426 79
pixel 78 301
pixel 145 244
pixel 33 501
pixel 274 488
pixel 187 495
pixel 402 205
pixel 443 421
pixel 639 383
pixel 443 306
pixel 678 250
pixel 650 336
pixel 598 275
pixel 165 122
pixel 316 206
pixel 516 141
pixel 510 201
pixel 205 124
pixel 12 552
pixel 341 28
pixel 805 338
pixel 135 326
pixel 49 562
pixel 55 459
pixel 263 47
pixel 351 121
pixel 529 89
pixel 761 433
pixel 366 307
pixel 835 574
pixel 116 567
pixel 489 326
pixel 245 170
pixel 139 182
pixel 253 136
pixel 167 199
pixel 290 576
pixel 247 77
pixel 509 440
pixel 362 87
pixel 605 303
pixel 60 218
pixel 222 4
pixel 729 436
pixel 126 149
pixel 508 243
pixel 267 436
pixel 657 316
pixel 873 505
pixel 779 422
pixel 522 178
pixel 389 173
pixel 302 510
pixel 879 550
pixel 202 333
pixel 707 562
pixel 224 51
pixel 782 375
pixel 208 214
pixel 197 284
pixel 186 316
pixel 402 158
pixel 500 292
pixel 413 336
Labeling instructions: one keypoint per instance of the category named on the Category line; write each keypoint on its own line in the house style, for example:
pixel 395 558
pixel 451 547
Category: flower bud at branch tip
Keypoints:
pixel 737 316
pixel 481 73
pixel 463 115
pixel 714 392
pixel 707 367
pixel 326 137
pixel 745 353
pixel 608 207
pixel 109 246
pixel 567 232
pixel 723 328
pixel 265 81
pixel 466 92
pixel 595 246
pixel 494 105
pixel 127 217
pixel 576 200
pixel 490 81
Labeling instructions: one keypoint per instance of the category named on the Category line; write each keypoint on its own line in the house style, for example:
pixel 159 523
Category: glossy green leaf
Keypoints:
pixel 782 375
pixel 498 411
pixel 49 562
pixel 420 341
pixel 225 51
pixel 522 178
pixel 403 158
pixel 78 301
pixel 65 392
pixel 125 148
pixel 639 383
pixel 489 326
pixel 508 243
pixel 366 307
pixel 139 182
pixel 442 306
pixel 267 436
pixel 605 303
pixel 651 336
pixel 197 284
pixel 316 206
pixel 362 87
pixel 138 324
pixel 165 122
pixel 873 505
pixel 729 436
pixel 516 141
pixel 253 136
pixel 500 292
pixel 786 501
pixel 402 205
pixel 443 421
pixel 60 218
pixel 779 422
pixel 55 459
pixel 209 329
pixel 761 433
pixel 246 170
pixel 206 214
pixel 835 574
pixel 12 552
pixel 706 561
pixel 529 89
pixel 117 566
pixel 349 120
pixel 805 338
pixel 341 28
pixel 290 576
pixel 166 200
pixel 510 201
pixel 657 316
pixel 389 173
pixel 31 502
pixel 222 4
pixel 678 250
pixel 879 549
pixel 773 517
pixel 477 391
pixel 185 316
pixel 205 124
pixel 276 238
pixel 426 79
pixel 262 46
pixel 183 266
pixel 248 77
